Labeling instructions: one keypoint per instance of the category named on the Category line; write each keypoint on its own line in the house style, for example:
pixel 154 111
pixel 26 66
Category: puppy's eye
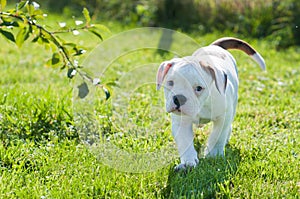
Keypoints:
pixel 198 88
pixel 170 83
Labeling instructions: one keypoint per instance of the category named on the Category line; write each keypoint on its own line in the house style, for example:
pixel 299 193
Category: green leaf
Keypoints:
pixel 107 93
pixel 112 83
pixel 63 67
pixel 69 44
pixel 92 30
pixel 4 22
pixel 65 51
pixel 37 14
pixel 35 39
pixel 22 4
pixel 3 4
pixel 22 36
pixel 43 40
pixel 71 73
pixel 40 39
pixel 83 90
pixel 55 59
pixel 76 50
pixel 8 35
pixel 30 9
pixel 79 52
pixel 86 15
pixel 101 27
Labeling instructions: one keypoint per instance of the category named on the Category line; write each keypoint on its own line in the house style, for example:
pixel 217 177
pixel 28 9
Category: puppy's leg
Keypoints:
pixel 219 136
pixel 182 131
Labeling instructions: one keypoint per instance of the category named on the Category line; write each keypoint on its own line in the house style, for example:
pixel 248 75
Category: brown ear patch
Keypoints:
pixel 169 65
pixel 161 73
pixel 219 77
pixel 206 66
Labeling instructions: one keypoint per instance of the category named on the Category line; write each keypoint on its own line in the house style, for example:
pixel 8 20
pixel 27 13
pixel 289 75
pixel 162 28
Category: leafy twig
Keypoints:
pixel 25 16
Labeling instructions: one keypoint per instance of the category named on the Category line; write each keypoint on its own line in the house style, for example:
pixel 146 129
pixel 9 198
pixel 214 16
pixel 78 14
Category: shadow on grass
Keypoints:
pixel 210 179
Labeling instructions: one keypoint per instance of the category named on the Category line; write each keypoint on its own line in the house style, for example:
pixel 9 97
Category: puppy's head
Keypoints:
pixel 189 84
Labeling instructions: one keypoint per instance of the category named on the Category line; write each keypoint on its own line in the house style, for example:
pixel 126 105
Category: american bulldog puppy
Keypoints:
pixel 201 88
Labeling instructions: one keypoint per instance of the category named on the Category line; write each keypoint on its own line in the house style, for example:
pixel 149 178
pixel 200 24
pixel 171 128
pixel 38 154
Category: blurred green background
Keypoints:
pixel 275 20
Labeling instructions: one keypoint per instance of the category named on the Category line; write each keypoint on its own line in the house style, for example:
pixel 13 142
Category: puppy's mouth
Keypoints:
pixel 175 110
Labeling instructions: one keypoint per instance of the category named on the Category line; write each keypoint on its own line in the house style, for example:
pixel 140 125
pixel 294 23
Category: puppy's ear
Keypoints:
pixel 162 72
pixel 219 76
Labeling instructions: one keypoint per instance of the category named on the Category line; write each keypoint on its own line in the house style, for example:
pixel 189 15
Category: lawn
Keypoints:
pixel 48 134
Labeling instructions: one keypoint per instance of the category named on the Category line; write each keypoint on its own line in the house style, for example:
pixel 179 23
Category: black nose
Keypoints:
pixel 179 100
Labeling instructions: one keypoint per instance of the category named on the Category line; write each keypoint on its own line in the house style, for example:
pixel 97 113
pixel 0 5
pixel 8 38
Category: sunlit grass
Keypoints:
pixel 41 155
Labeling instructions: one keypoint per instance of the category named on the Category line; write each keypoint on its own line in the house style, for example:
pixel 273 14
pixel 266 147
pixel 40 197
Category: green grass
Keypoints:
pixel 41 155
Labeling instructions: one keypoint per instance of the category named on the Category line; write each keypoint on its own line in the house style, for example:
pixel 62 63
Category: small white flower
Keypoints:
pixel 280 83
pixel 36 5
pixel 62 24
pixel 73 73
pixel 76 63
pixel 76 32
pixel 78 22
pixel 259 89
pixel 45 15
pixel 96 81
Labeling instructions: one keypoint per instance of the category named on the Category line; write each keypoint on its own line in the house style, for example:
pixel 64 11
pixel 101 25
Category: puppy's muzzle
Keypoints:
pixel 179 100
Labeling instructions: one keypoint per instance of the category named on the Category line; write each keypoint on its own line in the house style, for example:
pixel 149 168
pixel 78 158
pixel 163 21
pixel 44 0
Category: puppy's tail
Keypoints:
pixel 234 43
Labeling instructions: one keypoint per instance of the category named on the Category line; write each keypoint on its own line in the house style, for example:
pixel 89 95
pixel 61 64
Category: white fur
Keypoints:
pixel 258 58
pixel 210 104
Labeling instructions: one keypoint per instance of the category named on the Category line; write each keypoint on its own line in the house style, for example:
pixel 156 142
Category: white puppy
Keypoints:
pixel 203 88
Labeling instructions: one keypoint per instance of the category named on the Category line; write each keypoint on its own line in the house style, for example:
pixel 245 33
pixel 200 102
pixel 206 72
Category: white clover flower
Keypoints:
pixel 73 73
pixel 76 63
pixel 62 24
pixel 76 32
pixel 35 5
pixel 78 22
pixel 96 81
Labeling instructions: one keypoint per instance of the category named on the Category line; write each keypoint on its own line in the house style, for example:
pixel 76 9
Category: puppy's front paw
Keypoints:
pixel 180 167
pixel 217 151
pixel 188 165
